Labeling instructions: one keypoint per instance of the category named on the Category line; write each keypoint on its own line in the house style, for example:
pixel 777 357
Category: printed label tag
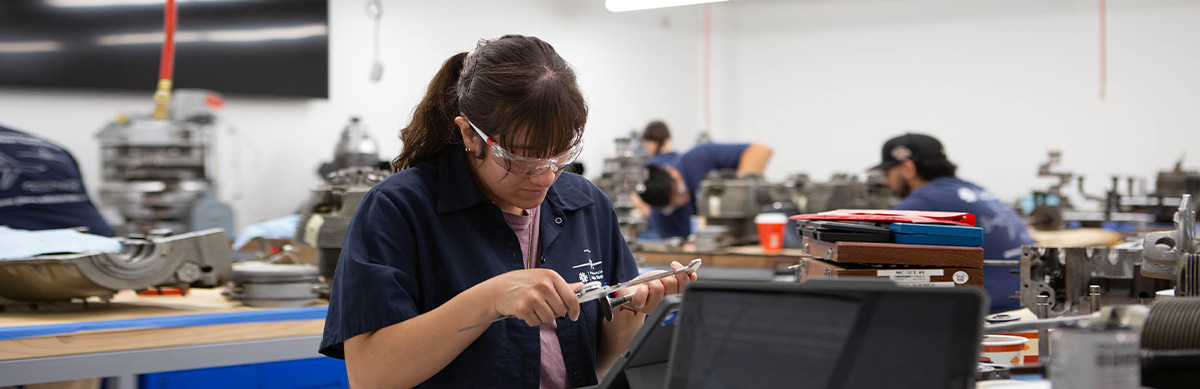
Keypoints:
pixel 946 284
pixel 909 278
pixel 910 272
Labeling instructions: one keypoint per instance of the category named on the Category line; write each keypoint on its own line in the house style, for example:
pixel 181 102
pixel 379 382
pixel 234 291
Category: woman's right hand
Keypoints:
pixel 536 296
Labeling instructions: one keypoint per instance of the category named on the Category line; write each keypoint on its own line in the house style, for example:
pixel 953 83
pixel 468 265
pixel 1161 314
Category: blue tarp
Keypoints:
pixel 260 316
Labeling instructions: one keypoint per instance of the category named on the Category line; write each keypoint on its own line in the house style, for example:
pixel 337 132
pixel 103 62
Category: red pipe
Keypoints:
pixel 707 70
pixel 1103 49
pixel 168 53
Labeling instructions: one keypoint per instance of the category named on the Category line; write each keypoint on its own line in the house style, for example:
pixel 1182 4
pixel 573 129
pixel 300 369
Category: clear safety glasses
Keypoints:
pixel 525 166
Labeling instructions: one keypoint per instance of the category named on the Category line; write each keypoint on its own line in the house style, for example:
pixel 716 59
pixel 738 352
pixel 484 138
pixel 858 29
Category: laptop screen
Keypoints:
pixel 826 335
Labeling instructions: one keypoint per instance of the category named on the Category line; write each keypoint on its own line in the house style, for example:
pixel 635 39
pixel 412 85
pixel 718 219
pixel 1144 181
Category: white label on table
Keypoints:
pixel 910 272
pixel 961 277
pixel 905 278
pixel 946 284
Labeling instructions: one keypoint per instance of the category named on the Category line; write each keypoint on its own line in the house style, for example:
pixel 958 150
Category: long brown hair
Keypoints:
pixel 515 88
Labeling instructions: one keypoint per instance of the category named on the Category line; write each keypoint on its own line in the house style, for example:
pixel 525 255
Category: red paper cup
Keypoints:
pixel 770 231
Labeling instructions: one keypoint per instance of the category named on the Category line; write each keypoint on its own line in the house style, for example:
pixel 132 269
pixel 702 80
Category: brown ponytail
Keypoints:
pixel 515 88
pixel 432 127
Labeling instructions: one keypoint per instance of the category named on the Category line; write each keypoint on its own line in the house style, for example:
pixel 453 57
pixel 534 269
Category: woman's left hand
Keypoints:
pixel 647 296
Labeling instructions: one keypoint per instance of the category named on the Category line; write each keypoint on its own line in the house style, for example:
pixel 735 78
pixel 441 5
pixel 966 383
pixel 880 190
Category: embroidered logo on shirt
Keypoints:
pixel 967 195
pixel 592 273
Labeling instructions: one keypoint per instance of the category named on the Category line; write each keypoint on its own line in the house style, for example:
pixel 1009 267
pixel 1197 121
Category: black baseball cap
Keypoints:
pixel 915 147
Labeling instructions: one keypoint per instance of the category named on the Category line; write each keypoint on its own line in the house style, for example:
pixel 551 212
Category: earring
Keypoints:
pixel 468 149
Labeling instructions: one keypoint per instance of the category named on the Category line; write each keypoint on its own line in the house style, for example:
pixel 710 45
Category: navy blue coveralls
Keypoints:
pixel 1003 230
pixel 694 166
pixel 426 234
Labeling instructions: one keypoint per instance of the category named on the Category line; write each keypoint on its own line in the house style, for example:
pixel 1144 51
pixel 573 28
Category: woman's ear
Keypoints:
pixel 464 129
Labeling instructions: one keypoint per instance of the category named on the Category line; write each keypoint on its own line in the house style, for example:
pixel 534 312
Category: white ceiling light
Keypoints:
pixel 29 46
pixel 244 35
pixel 635 5
pixel 111 3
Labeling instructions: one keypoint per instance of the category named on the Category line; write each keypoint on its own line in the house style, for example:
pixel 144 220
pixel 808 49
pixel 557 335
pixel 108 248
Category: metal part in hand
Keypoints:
pixel 595 290
pixel 586 294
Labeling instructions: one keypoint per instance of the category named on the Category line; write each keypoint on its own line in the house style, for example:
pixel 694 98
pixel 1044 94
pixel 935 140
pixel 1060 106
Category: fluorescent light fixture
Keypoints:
pixel 147 38
pixel 29 46
pixel 267 34
pixel 242 35
pixel 112 3
pixel 636 5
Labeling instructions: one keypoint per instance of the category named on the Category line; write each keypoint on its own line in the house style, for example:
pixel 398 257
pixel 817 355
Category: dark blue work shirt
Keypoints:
pixel 694 165
pixel 426 234
pixel 664 158
pixel 1003 230
pixel 41 188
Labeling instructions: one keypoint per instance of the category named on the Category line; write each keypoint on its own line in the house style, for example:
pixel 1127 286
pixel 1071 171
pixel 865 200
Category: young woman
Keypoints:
pixel 480 222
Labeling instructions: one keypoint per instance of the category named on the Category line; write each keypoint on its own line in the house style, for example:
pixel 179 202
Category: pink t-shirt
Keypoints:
pixel 554 370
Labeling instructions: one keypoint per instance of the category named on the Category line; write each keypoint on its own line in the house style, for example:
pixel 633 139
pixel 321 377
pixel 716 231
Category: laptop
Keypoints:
pixel 644 363
pixel 825 334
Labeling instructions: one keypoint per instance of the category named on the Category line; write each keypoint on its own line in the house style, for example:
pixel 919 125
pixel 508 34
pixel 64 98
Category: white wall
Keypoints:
pixel 633 67
pixel 1000 82
pixel 823 81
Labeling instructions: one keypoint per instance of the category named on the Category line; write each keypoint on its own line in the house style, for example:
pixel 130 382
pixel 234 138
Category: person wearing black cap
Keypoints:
pixel 918 170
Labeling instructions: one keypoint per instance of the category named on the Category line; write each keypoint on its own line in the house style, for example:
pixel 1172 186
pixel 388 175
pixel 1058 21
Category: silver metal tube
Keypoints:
pixel 1043 312
pixel 1040 324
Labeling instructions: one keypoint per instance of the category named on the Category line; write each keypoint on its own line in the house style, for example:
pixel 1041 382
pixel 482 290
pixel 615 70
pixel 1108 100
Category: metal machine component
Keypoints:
pixel 161 173
pixel 1173 324
pixel 1095 357
pixel 1171 344
pixel 712 237
pixel 1067 275
pixel 355 148
pixel 355 169
pixel 1051 209
pixel 1047 170
pixel 619 180
pixel 260 284
pixel 1048 206
pixel 730 201
pixel 597 291
pixel 193 259
pixel 1043 311
pixel 1177 182
pixel 1172 254
pixel 328 212
pixel 846 191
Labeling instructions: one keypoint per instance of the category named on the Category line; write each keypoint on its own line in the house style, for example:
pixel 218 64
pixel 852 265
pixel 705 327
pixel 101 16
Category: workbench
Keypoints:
pixel 736 257
pixel 138 334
